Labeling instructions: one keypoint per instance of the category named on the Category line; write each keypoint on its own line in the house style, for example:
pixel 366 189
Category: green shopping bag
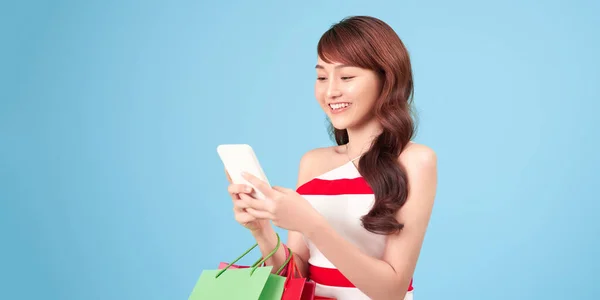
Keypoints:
pixel 254 283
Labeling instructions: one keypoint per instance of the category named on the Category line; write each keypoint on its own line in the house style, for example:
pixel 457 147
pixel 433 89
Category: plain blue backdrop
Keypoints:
pixel 111 112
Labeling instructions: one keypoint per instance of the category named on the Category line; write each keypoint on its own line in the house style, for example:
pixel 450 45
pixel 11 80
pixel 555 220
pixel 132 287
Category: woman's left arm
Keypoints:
pixel 386 278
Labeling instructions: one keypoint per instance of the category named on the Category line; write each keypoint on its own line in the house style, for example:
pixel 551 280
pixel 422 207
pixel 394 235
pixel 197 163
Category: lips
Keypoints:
pixel 339 106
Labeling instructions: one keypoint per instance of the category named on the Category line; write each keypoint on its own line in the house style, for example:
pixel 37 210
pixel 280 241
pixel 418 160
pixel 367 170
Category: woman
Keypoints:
pixel 358 217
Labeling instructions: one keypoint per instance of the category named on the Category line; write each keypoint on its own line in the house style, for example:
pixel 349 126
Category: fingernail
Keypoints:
pixel 248 189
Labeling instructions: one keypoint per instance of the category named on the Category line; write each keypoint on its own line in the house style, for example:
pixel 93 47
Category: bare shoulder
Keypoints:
pixel 418 156
pixel 420 163
pixel 315 162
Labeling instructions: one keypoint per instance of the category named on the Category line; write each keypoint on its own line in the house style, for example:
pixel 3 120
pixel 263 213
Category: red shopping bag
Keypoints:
pixel 309 292
pixel 297 287
pixel 294 285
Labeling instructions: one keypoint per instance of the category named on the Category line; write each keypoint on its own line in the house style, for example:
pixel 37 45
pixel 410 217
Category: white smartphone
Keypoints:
pixel 239 158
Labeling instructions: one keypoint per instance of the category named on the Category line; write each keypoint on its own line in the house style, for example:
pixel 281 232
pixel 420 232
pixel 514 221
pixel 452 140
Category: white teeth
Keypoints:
pixel 338 105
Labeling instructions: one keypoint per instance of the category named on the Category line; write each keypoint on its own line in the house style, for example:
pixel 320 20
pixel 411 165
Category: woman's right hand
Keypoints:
pixel 239 207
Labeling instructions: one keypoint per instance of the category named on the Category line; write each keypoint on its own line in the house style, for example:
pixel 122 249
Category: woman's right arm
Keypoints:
pixel 267 240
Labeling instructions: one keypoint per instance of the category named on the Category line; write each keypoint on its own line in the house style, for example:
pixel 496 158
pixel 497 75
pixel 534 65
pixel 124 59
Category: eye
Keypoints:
pixel 347 77
pixel 321 78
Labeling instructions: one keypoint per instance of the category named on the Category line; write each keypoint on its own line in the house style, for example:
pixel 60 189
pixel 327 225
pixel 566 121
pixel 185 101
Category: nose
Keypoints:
pixel 333 90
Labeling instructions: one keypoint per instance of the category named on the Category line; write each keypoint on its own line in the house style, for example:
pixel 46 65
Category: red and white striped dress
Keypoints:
pixel 342 196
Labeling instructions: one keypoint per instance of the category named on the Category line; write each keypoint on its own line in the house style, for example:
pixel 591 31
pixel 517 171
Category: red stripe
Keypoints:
pixel 333 277
pixel 354 186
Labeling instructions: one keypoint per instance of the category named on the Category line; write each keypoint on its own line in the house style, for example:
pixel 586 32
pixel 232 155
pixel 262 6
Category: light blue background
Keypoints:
pixel 111 111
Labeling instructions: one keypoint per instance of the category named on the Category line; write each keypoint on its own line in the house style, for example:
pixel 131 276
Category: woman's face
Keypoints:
pixel 347 94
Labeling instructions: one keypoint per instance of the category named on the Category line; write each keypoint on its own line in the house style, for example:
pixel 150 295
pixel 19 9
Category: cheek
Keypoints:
pixel 355 92
pixel 364 96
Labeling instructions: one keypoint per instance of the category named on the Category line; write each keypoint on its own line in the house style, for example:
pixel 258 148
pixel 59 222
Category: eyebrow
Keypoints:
pixel 336 67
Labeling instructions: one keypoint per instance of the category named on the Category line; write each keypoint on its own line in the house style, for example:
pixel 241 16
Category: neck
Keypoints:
pixel 360 138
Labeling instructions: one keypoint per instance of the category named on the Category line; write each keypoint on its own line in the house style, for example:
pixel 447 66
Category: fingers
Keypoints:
pixel 244 218
pixel 254 203
pixel 260 185
pixel 259 214
pixel 240 204
pixel 239 188
pixel 245 214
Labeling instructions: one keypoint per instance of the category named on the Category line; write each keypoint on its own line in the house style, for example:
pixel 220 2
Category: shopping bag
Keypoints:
pixel 308 293
pixel 282 268
pixel 252 283
pixel 298 287
pixel 294 285
pixel 223 265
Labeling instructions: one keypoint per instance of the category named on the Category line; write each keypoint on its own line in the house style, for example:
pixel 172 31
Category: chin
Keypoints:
pixel 339 124
pixel 342 121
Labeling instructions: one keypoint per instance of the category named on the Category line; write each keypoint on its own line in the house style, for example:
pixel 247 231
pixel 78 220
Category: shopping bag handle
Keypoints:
pixel 286 262
pixel 292 268
pixel 256 264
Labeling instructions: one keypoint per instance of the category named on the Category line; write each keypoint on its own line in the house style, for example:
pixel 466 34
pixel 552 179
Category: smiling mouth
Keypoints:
pixel 337 107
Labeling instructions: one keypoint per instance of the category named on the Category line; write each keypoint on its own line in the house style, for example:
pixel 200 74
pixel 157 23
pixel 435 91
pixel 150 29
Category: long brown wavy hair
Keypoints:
pixel 370 43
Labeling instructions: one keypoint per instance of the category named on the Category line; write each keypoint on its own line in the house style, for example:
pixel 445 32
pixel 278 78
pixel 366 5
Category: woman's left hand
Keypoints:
pixel 285 207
